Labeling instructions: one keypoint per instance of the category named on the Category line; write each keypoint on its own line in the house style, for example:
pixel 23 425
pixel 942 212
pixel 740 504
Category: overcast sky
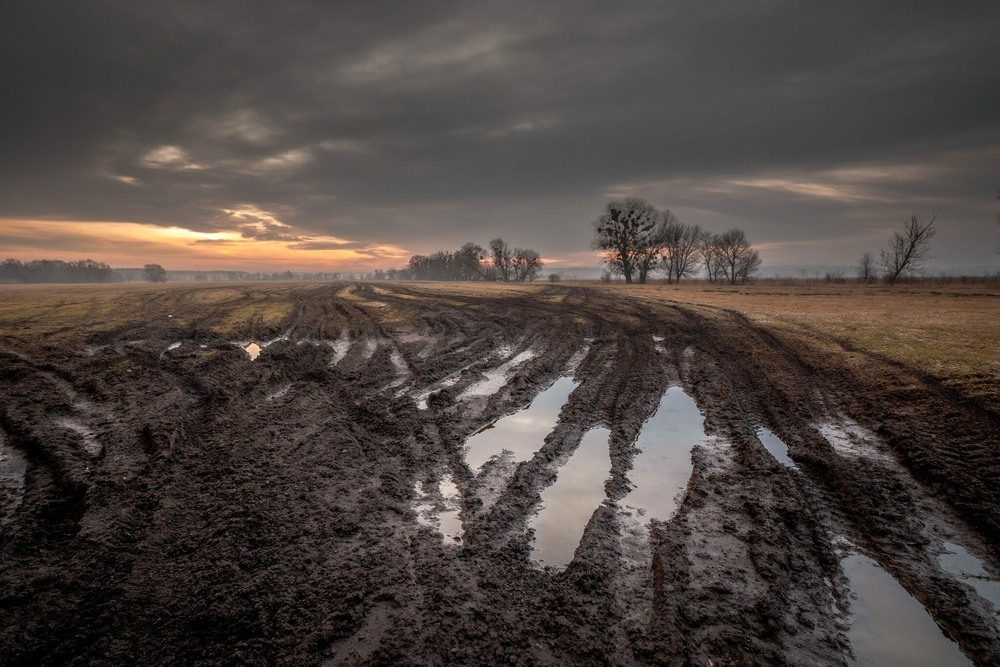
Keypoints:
pixel 335 134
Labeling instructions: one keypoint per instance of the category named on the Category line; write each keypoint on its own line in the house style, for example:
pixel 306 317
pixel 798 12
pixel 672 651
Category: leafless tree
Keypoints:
pixel 622 231
pixel 502 256
pixel 909 249
pixel 866 267
pixel 737 259
pixel 526 265
pixel 711 258
pixel 998 223
pixel 681 250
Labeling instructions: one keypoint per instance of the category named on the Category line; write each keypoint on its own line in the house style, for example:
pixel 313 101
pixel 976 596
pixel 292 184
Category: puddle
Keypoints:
pixel 340 346
pixel 496 378
pixel 777 448
pixel 13 468
pixel 888 626
pixel 658 340
pixel 581 354
pixel 661 469
pixel 399 365
pixel 252 349
pixel 90 443
pixel 440 511
pixel 568 504
pixel 523 432
pixel 369 349
pixel 959 562
pixel 173 346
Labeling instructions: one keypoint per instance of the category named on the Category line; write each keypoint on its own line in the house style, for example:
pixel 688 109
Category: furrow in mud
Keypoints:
pixel 380 485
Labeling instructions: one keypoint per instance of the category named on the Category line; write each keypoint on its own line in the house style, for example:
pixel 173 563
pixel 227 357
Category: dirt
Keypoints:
pixel 208 508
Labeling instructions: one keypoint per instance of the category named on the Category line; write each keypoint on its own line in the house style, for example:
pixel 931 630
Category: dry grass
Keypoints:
pixel 951 332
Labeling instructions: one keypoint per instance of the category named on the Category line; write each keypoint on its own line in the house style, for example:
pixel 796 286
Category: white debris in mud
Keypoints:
pixel 659 344
pixel 90 443
pixel 173 346
pixel 422 397
pixel 278 393
pixel 340 346
pixel 851 440
pixel 496 378
pixel 574 362
pixel 440 510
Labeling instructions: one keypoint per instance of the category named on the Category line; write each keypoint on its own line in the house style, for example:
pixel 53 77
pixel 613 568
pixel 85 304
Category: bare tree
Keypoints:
pixel 502 256
pixel 711 258
pixel 622 231
pixel 909 249
pixel 866 267
pixel 468 261
pixel 998 223
pixel 736 256
pixel 526 264
pixel 681 250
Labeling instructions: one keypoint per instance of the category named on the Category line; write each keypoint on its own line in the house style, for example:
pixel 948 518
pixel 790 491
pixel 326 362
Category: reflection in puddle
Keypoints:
pixel 13 467
pixel 958 561
pixel 777 448
pixel 90 443
pixel 496 378
pixel 252 349
pixel 173 346
pixel 569 503
pixel 888 626
pixel 440 511
pixel 662 468
pixel 523 432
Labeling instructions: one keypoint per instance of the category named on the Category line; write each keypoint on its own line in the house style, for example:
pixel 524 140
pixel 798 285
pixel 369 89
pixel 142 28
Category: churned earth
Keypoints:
pixel 439 474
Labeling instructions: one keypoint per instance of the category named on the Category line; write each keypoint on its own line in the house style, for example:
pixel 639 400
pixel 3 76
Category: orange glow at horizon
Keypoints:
pixel 132 244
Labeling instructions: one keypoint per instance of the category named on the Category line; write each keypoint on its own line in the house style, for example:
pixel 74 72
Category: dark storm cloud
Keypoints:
pixel 428 124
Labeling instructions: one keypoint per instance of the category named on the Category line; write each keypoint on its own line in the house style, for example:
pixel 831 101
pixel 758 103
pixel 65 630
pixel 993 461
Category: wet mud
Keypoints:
pixel 317 504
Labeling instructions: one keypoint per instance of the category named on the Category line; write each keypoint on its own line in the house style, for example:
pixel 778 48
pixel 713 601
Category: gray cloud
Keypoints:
pixel 424 125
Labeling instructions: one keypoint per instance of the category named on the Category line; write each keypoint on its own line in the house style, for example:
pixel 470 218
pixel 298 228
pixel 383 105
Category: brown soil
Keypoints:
pixel 262 511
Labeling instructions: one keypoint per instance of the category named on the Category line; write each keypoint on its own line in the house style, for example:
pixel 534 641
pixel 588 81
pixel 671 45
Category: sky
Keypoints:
pixel 351 135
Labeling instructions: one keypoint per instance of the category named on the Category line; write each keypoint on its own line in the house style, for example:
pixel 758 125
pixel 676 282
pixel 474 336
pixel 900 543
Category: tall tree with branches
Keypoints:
pixel 908 249
pixel 502 257
pixel 622 231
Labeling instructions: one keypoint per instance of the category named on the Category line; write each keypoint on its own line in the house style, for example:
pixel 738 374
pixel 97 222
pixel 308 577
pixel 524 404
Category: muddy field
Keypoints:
pixel 436 474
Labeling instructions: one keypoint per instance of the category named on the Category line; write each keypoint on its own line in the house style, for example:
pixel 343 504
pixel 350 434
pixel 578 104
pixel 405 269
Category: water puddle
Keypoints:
pixel 888 626
pixel 522 433
pixel 173 346
pixel 441 510
pixel 399 365
pixel 578 357
pixel 495 378
pixel 13 468
pixel 368 351
pixel 253 350
pixel 658 340
pixel 422 397
pixel 340 346
pixel 568 504
pixel 777 448
pixel 661 470
pixel 959 562
pixel 90 443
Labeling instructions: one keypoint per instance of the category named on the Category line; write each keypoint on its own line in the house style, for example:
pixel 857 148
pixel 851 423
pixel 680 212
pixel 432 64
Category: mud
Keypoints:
pixel 303 507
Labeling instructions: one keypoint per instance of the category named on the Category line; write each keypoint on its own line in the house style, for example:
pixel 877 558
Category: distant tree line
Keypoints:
pixel 472 262
pixel 640 240
pixel 55 271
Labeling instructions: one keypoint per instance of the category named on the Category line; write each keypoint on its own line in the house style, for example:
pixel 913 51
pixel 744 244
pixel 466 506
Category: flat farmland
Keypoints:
pixel 443 473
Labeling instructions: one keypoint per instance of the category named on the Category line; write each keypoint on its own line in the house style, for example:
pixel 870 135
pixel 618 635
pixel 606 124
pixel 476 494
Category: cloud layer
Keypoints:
pixel 422 125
